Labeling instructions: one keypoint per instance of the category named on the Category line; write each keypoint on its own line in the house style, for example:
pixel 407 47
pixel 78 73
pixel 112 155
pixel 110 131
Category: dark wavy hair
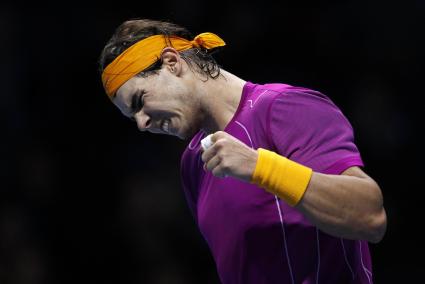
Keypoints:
pixel 132 31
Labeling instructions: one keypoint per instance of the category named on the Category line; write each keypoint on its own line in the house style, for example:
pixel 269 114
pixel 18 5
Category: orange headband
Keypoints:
pixel 144 53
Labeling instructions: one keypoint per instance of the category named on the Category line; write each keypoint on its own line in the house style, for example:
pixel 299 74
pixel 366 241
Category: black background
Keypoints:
pixel 86 198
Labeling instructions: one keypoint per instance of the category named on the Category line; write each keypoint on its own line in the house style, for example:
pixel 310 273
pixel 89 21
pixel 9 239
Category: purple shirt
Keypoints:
pixel 254 236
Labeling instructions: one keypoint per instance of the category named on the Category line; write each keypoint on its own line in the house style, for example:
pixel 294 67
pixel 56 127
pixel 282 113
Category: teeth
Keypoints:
pixel 165 126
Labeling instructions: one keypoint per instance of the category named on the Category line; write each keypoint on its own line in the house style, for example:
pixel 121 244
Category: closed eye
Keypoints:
pixel 140 101
pixel 137 102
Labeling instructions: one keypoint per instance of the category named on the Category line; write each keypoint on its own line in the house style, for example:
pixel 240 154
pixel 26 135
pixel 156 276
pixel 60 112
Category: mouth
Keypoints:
pixel 165 126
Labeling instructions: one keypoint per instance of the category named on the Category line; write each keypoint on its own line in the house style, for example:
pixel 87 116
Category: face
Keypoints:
pixel 160 103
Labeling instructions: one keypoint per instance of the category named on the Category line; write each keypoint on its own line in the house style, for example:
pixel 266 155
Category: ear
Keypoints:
pixel 171 60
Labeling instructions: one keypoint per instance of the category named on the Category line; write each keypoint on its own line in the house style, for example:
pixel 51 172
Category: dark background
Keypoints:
pixel 86 198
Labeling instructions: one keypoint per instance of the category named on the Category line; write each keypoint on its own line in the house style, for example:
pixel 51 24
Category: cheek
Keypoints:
pixel 173 88
pixel 161 107
pixel 169 94
pixel 164 82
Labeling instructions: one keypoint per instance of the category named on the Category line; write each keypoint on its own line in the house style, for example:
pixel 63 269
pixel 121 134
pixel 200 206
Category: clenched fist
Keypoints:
pixel 228 156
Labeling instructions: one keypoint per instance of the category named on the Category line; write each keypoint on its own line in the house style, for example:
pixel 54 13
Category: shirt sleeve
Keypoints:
pixel 307 127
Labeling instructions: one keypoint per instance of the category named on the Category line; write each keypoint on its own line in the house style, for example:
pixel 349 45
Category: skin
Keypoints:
pixel 182 96
pixel 349 205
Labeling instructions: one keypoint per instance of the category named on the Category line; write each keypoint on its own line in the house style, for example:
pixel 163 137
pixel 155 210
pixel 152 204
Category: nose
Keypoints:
pixel 143 121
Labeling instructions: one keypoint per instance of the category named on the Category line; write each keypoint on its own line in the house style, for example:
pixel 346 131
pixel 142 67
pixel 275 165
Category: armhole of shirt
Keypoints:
pixel 341 165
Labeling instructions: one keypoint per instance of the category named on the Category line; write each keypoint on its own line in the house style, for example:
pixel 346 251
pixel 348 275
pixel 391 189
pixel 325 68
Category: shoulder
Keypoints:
pixel 259 97
pixel 279 93
pixel 304 96
pixel 304 105
pixel 283 104
pixel 308 127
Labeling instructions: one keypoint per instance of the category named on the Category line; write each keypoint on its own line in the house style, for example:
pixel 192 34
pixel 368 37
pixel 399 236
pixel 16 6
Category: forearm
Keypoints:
pixel 345 206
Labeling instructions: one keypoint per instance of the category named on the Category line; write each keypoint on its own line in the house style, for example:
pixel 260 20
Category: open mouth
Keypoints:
pixel 165 126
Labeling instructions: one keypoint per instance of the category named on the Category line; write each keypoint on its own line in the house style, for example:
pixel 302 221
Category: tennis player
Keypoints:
pixel 280 196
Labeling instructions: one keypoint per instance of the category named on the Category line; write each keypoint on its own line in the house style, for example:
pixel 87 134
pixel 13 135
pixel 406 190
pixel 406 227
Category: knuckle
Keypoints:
pixel 219 134
pixel 220 157
pixel 219 144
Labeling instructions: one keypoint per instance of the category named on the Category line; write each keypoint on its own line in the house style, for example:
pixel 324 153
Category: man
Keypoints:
pixel 279 196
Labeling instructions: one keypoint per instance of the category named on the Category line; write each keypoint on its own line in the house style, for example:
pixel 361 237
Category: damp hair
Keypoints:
pixel 128 33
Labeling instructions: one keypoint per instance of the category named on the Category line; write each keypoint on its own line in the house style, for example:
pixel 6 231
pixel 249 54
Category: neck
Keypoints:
pixel 219 101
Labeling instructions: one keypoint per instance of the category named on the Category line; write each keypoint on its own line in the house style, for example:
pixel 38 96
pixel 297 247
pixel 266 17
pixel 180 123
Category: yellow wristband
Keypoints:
pixel 281 176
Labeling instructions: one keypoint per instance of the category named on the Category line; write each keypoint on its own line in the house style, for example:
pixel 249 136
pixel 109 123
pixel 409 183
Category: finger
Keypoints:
pixel 213 163
pixel 218 172
pixel 208 154
pixel 217 135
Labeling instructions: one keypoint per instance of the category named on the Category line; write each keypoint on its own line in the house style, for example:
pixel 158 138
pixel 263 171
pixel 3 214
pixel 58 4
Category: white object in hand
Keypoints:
pixel 206 142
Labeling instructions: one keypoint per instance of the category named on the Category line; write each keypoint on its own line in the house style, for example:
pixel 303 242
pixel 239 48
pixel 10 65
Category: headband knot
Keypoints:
pixel 208 41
